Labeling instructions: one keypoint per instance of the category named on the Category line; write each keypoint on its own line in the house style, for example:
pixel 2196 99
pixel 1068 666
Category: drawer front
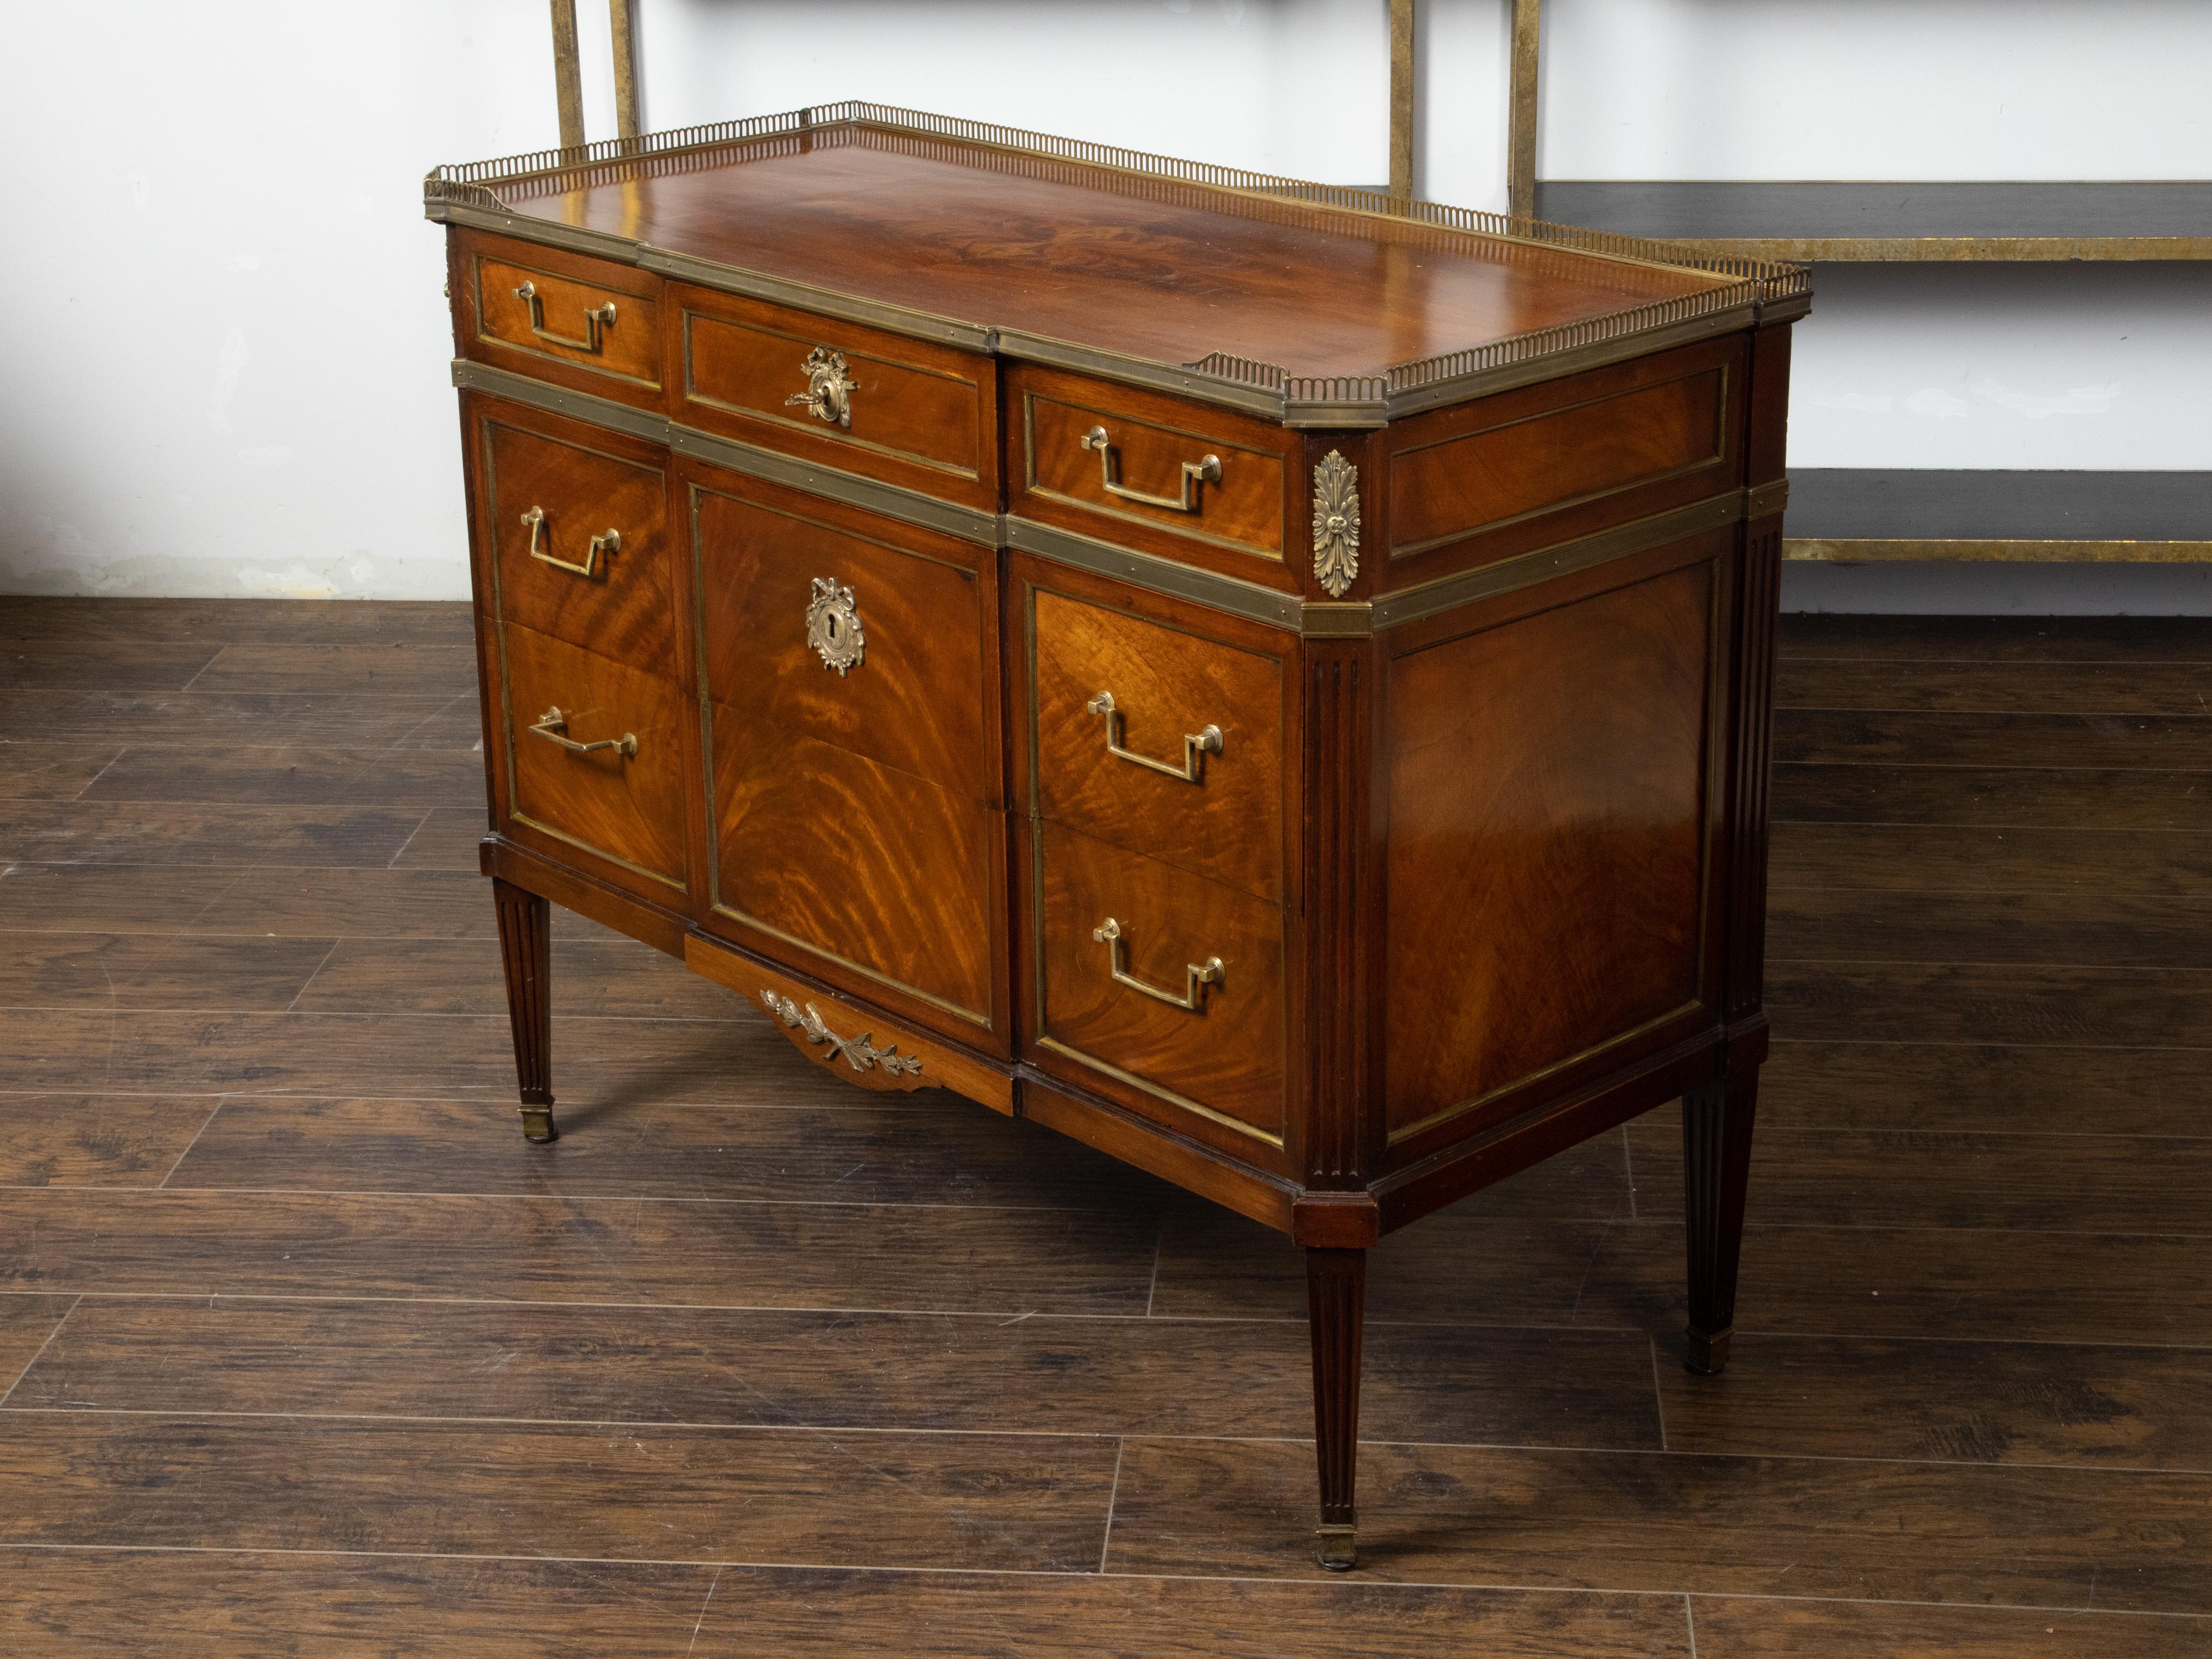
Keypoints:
pixel 913 414
pixel 1547 463
pixel 1158 740
pixel 848 670
pixel 582 548
pixel 624 801
pixel 563 317
pixel 857 864
pixel 1167 931
pixel 1120 459
pixel 793 590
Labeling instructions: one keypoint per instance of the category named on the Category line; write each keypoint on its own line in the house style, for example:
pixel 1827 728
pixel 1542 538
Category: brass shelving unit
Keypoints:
pixel 1854 515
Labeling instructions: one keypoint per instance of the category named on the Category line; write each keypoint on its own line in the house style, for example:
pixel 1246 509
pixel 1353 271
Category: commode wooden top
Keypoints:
pixel 1269 292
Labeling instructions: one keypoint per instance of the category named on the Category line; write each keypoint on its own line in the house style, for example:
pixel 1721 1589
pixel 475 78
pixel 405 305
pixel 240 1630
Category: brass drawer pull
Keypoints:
pixel 553 726
pixel 1206 740
pixel 1194 473
pixel 610 542
pixel 827 393
pixel 1195 978
pixel 595 319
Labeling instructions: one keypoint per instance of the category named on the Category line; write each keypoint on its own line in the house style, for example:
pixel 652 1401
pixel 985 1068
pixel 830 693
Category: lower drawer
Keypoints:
pixel 1164 981
pixel 595 754
pixel 840 857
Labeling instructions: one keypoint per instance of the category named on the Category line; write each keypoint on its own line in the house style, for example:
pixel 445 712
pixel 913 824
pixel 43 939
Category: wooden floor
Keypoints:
pixel 303 1350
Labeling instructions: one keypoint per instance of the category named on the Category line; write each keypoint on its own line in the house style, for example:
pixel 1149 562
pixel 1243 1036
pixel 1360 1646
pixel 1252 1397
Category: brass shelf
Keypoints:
pixel 1897 222
pixel 1854 515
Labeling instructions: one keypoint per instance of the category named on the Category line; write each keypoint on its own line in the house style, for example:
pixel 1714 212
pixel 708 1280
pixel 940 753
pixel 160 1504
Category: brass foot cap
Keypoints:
pixel 1336 1547
pixel 1708 1353
pixel 537 1124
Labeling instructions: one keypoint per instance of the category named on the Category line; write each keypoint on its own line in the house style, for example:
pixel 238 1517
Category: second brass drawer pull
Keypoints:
pixel 1206 740
pixel 553 726
pixel 595 319
pixel 1194 473
pixel 1196 976
pixel 610 542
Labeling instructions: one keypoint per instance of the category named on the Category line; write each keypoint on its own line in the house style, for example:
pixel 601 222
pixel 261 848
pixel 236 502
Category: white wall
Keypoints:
pixel 228 347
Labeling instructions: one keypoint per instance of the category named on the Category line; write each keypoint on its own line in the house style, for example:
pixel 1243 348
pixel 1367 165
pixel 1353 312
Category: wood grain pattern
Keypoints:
pixel 1228 1054
pixel 582 485
pixel 276 902
pixel 1900 1178
pixel 422 668
pixel 214 834
pixel 97 1139
pixel 2102 1406
pixel 2047 1537
pixel 282 775
pixel 2010 859
pixel 217 623
pixel 1165 683
pixel 1243 509
pixel 212 719
pixel 40 770
pixel 920 1501
pixel 2017 640
pixel 2065 797
pixel 1977 688
pixel 915 700
pixel 848 857
pixel 221 1605
pixel 797 1136
pixel 2165 743
pixel 243 1605
pixel 1901 1002
pixel 923 415
pixel 571 1250
pixel 139 665
pixel 1761 1629
pixel 1548 805
pixel 601 974
pixel 27 1324
pixel 626 364
pixel 1828 924
pixel 1121 263
pixel 626 808
pixel 1542 450
pixel 119 971
pixel 739 1368
pixel 1892 1282
pixel 1984 1084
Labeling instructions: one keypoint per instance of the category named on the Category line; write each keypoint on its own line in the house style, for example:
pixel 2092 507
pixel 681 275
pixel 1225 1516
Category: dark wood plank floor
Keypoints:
pixel 304 1352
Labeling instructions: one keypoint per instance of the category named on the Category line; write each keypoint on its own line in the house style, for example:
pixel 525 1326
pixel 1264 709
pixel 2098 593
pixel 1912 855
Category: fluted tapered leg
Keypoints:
pixel 1716 1167
pixel 1336 1303
pixel 525 950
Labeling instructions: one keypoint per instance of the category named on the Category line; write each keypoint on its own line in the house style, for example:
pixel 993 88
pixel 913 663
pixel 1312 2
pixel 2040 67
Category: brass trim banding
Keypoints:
pixel 1314 619
pixel 1745 291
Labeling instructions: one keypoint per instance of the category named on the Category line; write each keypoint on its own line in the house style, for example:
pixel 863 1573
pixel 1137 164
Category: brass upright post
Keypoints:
pixel 1520 146
pixel 622 15
pixel 1402 99
pixel 568 78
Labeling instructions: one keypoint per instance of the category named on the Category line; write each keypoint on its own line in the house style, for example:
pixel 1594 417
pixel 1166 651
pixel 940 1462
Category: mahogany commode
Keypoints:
pixel 1270 680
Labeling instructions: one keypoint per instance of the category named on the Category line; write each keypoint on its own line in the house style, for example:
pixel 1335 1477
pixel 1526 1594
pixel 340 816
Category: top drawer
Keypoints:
pixel 908 412
pixel 1151 471
pixel 577 322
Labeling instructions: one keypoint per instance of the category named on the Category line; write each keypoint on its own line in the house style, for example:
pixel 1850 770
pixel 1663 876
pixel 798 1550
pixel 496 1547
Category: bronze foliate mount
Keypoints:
pixel 1335 523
